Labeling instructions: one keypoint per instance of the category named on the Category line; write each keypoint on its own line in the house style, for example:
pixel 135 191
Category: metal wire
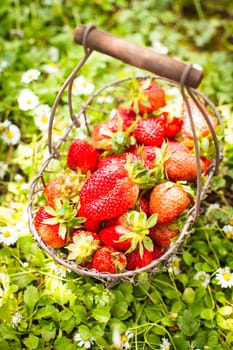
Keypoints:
pixel 37 185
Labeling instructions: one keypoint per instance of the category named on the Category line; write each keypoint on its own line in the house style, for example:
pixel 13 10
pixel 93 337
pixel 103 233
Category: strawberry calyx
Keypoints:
pixel 64 214
pixel 82 247
pixel 139 174
pixel 138 229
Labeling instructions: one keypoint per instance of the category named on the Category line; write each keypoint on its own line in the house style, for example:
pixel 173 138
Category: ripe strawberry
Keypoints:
pixel 168 200
pixel 81 155
pixel 114 134
pixel 150 131
pixel 135 260
pixel 127 115
pixel 90 224
pixel 53 224
pixel 201 126
pixel 48 232
pixel 181 166
pixel 151 97
pixel 65 185
pixel 108 259
pixel 174 146
pixel 157 252
pixel 173 125
pixel 112 190
pixel 163 233
pixel 82 246
pixel 131 231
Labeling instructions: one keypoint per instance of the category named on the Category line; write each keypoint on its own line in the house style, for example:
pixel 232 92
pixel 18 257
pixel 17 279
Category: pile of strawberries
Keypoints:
pixel 124 193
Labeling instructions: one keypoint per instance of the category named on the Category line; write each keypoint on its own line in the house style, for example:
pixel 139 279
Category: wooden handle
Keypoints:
pixel 138 56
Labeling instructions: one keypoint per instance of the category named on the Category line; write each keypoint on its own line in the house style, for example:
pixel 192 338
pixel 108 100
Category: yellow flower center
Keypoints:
pixel 226 276
pixel 7 234
pixel 28 102
pixel 10 135
pixel 44 119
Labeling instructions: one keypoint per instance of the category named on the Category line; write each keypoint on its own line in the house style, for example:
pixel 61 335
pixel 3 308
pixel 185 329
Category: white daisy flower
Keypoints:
pixel 16 319
pixel 224 277
pixel 27 100
pixel 11 135
pixel 175 265
pixel 42 113
pixel 228 230
pixel 51 68
pixel 165 344
pixel 53 54
pixel 30 75
pixel 82 342
pixel 58 269
pixel 203 278
pixel 4 125
pixel 159 47
pixel 105 99
pixel 211 208
pixel 8 235
pixel 3 169
pixel 3 65
pixel 81 86
pixel 125 338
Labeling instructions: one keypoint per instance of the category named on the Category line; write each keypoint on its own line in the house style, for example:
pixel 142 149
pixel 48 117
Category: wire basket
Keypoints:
pixel 166 71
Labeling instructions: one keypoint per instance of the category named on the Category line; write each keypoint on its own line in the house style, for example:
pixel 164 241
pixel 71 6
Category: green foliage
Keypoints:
pixel 43 306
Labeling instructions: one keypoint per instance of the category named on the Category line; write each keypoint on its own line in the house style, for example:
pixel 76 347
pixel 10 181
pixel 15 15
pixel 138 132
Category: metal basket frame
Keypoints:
pixel 37 185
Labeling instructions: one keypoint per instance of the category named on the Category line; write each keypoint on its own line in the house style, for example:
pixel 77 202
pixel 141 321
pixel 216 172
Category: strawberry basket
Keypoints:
pixel 120 198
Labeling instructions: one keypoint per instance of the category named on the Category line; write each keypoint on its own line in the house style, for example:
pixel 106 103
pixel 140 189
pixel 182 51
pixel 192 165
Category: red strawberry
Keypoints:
pixel 131 231
pixel 157 252
pixel 82 246
pixel 150 131
pixel 168 200
pixel 65 185
pixel 108 259
pixel 154 97
pixel 53 224
pixel 81 155
pixel 112 190
pixel 163 233
pixel 127 115
pixel 174 146
pixel 135 260
pixel 181 166
pixel 173 125
pixel 49 233
pixel 201 126
pixel 90 224
pixel 114 134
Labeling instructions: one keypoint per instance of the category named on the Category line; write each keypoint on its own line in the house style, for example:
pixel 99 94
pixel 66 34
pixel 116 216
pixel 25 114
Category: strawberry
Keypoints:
pixel 135 260
pixel 112 190
pixel 81 155
pixel 114 134
pixel 127 115
pixel 65 185
pixel 157 252
pixel 168 200
pixel 122 159
pixel 54 223
pixel 108 259
pixel 174 146
pixel 173 125
pixel 131 231
pixel 48 232
pixel 82 246
pixel 90 224
pixel 151 97
pixel 181 166
pixel 150 131
pixel 201 126
pixel 163 233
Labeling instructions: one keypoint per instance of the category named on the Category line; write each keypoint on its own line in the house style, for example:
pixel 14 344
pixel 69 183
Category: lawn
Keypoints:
pixel 44 305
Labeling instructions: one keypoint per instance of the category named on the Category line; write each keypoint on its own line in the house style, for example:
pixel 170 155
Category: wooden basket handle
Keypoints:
pixel 138 56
